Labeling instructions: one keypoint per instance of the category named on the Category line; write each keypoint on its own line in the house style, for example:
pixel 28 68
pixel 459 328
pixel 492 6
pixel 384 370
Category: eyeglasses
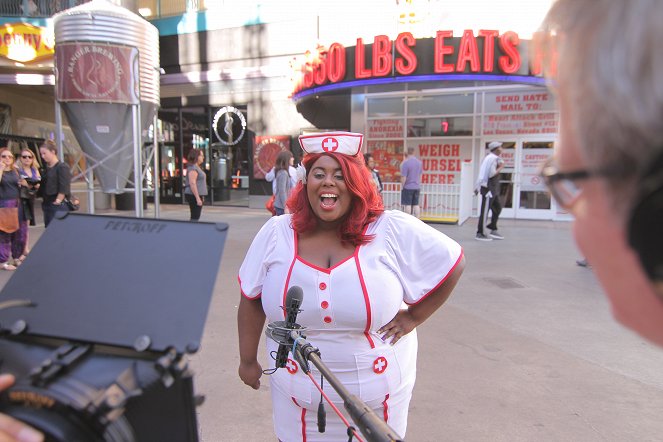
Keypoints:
pixel 26 156
pixel 562 185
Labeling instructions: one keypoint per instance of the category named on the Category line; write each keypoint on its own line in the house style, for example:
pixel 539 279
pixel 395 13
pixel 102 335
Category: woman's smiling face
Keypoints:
pixel 327 192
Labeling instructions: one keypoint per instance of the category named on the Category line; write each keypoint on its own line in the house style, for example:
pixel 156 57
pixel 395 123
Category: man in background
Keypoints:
pixel 488 183
pixel 411 169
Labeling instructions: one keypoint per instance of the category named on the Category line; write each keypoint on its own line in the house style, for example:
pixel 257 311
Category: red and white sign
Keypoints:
pixel 387 128
pixel 265 150
pixel 97 72
pixel 520 124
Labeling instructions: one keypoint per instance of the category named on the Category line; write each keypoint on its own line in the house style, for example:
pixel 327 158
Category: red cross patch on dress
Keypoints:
pixel 329 144
pixel 291 366
pixel 380 365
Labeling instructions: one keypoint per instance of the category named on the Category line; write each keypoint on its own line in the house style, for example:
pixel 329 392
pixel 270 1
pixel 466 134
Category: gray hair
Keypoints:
pixel 610 69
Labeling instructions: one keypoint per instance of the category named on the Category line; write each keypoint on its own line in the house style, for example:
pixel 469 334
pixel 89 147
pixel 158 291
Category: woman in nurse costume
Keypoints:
pixel 369 277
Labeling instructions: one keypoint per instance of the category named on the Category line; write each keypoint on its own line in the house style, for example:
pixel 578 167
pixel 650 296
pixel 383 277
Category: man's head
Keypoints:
pixel 608 81
pixel 495 147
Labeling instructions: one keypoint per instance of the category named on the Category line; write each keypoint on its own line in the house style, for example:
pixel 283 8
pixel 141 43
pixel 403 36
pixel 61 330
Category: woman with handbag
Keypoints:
pixel 13 231
pixel 56 182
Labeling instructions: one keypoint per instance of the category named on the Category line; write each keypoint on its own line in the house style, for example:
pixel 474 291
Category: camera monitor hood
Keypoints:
pixel 144 284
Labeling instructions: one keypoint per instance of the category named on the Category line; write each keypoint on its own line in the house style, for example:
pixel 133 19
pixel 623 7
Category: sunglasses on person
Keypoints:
pixel 26 156
pixel 4 155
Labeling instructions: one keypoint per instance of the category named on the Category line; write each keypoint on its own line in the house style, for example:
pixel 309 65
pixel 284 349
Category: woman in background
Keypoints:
pixel 283 181
pixel 28 169
pixel 196 183
pixel 56 182
pixel 13 233
pixel 370 164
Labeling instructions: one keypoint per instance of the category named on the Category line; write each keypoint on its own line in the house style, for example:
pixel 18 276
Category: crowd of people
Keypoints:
pixel 21 182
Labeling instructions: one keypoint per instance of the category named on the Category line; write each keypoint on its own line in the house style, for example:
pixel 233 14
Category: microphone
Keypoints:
pixel 293 299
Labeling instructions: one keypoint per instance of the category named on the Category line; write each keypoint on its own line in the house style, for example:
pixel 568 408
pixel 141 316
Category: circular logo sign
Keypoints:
pixel 229 125
pixel 95 71
pixel 267 149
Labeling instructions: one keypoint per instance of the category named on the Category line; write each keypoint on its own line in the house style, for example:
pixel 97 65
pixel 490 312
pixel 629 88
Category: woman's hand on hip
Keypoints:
pixel 250 373
pixel 402 324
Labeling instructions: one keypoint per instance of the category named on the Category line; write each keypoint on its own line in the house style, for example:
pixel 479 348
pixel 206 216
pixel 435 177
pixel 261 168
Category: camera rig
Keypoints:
pixel 102 355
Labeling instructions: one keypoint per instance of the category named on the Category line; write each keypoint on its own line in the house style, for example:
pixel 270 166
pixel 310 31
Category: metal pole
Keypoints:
pixel 90 191
pixel 138 176
pixel 157 175
pixel 58 130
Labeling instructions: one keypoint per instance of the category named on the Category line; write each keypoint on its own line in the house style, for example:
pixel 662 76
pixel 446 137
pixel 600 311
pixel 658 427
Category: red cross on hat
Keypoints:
pixel 329 144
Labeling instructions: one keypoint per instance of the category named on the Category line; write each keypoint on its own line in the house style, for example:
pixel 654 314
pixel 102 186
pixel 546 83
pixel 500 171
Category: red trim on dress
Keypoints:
pixel 287 279
pixel 367 301
pixel 441 282
pixel 303 418
pixel 385 408
pixel 239 280
pixel 322 269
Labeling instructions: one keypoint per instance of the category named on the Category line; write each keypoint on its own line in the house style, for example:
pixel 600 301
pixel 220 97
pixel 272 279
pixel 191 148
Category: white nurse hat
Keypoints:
pixel 346 143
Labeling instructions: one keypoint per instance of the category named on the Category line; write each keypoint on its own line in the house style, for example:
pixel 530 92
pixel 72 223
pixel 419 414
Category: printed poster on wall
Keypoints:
pixel 385 128
pixel 441 161
pixel 265 151
pixel 388 156
pixel 530 179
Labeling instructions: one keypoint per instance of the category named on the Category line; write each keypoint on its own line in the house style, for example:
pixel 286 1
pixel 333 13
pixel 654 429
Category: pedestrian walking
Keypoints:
pixel 488 184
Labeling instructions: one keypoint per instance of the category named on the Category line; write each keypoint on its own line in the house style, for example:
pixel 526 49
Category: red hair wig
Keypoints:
pixel 366 203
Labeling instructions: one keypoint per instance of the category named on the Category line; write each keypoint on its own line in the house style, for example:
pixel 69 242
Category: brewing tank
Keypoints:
pixel 107 60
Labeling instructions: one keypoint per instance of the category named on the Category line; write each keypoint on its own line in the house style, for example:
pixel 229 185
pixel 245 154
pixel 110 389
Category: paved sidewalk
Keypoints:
pixel 525 350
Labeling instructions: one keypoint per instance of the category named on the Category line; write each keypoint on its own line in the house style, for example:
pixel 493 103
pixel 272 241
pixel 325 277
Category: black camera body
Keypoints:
pixel 102 355
pixel 98 395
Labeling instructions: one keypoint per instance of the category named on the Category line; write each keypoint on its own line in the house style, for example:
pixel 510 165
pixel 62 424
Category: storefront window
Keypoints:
pixel 439 127
pixel 440 104
pixel 386 107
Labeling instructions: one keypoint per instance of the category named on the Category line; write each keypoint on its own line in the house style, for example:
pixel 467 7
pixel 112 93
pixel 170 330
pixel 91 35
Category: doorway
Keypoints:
pixel 522 191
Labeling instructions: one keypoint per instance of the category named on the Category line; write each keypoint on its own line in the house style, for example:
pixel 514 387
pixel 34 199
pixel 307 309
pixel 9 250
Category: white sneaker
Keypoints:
pixel 495 235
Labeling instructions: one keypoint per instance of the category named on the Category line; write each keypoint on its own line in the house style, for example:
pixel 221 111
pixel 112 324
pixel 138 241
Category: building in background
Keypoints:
pixel 445 77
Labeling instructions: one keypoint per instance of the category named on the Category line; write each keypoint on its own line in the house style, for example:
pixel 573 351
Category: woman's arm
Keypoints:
pixel 64 182
pixel 281 195
pixel 193 179
pixel 406 320
pixel 250 322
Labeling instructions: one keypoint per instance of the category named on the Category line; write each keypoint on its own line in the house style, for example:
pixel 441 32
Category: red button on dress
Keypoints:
pixel 324 304
pixel 322 286
pixel 328 319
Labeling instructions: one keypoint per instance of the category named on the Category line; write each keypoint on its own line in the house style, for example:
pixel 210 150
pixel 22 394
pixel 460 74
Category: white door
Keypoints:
pixel 522 192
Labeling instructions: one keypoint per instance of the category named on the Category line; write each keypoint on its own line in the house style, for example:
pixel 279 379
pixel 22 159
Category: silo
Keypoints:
pixel 107 61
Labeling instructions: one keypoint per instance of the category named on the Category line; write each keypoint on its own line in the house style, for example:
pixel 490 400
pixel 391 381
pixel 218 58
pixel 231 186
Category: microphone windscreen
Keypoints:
pixel 295 294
